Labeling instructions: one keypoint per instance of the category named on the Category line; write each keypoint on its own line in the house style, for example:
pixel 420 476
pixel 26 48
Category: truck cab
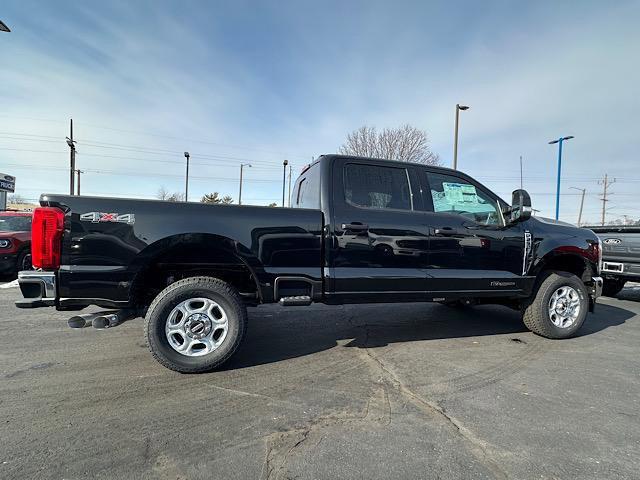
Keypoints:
pixel 398 231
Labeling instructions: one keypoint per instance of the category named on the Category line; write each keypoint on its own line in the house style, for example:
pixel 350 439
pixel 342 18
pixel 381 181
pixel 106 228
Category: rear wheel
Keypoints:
pixel 559 306
pixel 196 324
pixel 612 287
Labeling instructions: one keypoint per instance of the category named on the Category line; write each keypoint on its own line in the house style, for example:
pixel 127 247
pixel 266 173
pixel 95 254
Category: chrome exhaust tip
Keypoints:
pixel 82 320
pixel 111 319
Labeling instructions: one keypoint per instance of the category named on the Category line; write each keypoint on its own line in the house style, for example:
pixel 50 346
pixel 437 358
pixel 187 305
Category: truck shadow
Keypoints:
pixel 276 334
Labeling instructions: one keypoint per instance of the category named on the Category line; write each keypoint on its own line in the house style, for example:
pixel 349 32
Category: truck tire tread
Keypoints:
pixel 216 285
pixel 535 314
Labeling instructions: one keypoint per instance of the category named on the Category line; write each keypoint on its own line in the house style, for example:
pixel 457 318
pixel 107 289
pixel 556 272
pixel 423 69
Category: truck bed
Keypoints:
pixel 109 243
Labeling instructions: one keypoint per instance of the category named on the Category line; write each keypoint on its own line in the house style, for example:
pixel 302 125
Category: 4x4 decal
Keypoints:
pixel 100 217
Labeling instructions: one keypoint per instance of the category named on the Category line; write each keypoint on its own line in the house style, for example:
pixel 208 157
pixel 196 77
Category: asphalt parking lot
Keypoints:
pixel 373 391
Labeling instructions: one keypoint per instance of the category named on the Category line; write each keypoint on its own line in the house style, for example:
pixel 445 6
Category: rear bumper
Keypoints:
pixel 38 289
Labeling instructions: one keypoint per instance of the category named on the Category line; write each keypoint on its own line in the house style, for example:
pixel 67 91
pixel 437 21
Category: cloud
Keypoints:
pixel 268 81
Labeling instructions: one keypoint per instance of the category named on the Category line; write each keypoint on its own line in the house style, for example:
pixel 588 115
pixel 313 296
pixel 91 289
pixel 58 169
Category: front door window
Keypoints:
pixel 455 195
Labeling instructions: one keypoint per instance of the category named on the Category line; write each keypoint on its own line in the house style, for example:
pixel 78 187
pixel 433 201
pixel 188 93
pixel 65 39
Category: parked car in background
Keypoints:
pixel 15 241
pixel 620 256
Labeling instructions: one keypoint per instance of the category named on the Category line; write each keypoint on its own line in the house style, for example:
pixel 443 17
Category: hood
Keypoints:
pixel 563 228
pixel 555 222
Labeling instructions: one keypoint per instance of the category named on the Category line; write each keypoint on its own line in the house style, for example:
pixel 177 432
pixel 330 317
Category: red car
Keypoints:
pixel 15 241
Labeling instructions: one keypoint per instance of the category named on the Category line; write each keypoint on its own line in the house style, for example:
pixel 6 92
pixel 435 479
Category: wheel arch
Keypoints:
pixel 565 260
pixel 194 254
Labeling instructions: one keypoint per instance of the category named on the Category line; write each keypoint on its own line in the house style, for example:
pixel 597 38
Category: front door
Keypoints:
pixel 379 247
pixel 471 248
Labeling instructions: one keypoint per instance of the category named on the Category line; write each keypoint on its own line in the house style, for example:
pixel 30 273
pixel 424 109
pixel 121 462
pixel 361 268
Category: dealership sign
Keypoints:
pixel 7 183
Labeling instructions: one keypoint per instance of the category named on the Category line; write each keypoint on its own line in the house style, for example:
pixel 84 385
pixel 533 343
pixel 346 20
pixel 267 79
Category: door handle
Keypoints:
pixel 446 231
pixel 355 227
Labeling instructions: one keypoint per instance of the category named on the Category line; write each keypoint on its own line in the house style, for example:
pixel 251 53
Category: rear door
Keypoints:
pixel 378 248
pixel 471 248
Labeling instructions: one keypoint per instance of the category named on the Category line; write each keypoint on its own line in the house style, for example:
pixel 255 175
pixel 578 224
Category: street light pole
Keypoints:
pixel 186 180
pixel 242 165
pixel 559 142
pixel 284 178
pixel 289 193
pixel 455 137
pixel 583 190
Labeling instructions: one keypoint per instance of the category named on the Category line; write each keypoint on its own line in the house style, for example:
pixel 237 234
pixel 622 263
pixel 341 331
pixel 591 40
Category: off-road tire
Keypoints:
pixel 195 287
pixel 612 287
pixel 536 310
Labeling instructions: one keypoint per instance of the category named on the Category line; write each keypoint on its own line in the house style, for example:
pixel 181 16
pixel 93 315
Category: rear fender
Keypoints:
pixel 218 249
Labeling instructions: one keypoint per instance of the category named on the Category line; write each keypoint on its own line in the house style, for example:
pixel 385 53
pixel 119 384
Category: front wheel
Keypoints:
pixel 196 324
pixel 559 306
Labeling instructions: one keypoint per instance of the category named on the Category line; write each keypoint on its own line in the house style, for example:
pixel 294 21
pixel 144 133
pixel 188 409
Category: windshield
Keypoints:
pixel 15 224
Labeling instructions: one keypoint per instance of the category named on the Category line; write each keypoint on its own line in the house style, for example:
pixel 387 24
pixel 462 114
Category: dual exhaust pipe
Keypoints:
pixel 101 320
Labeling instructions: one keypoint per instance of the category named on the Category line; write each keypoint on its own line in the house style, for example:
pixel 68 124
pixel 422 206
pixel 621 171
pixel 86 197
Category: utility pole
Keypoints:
pixel 455 135
pixel 242 165
pixel 605 184
pixel 78 171
pixel 583 190
pixel 284 177
pixel 520 172
pixel 290 185
pixel 186 179
pixel 72 159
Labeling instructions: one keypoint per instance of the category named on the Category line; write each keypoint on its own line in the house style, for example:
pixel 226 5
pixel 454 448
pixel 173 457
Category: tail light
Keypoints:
pixel 46 237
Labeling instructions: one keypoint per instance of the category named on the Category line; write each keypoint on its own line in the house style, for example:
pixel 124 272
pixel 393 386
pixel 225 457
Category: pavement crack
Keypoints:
pixel 476 446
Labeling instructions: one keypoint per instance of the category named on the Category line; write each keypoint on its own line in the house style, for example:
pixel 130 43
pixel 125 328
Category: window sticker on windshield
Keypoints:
pixel 460 193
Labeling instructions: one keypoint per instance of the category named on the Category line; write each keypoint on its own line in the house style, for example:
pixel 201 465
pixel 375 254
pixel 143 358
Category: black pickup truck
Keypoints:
pixel 620 256
pixel 361 230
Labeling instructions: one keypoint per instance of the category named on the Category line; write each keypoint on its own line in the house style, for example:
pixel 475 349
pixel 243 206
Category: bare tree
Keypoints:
pixel 15 199
pixel 163 194
pixel 216 198
pixel 405 143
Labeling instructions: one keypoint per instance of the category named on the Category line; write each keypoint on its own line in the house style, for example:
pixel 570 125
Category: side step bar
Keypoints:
pixel 297 301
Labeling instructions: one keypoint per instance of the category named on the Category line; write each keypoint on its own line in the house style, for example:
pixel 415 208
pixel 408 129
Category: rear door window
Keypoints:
pixel 308 195
pixel 377 187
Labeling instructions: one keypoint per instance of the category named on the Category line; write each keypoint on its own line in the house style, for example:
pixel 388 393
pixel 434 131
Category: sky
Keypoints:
pixel 259 82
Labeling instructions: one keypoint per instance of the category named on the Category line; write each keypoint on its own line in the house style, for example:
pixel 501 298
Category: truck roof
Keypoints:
pixel 395 162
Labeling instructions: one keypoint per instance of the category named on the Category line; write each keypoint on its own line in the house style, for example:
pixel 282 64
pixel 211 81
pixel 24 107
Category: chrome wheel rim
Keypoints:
pixel 564 307
pixel 196 327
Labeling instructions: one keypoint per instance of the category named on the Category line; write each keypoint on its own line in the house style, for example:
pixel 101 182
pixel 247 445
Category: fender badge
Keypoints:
pixel 100 217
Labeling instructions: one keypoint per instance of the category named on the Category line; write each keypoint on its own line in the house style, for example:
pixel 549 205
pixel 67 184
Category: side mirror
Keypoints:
pixel 520 206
